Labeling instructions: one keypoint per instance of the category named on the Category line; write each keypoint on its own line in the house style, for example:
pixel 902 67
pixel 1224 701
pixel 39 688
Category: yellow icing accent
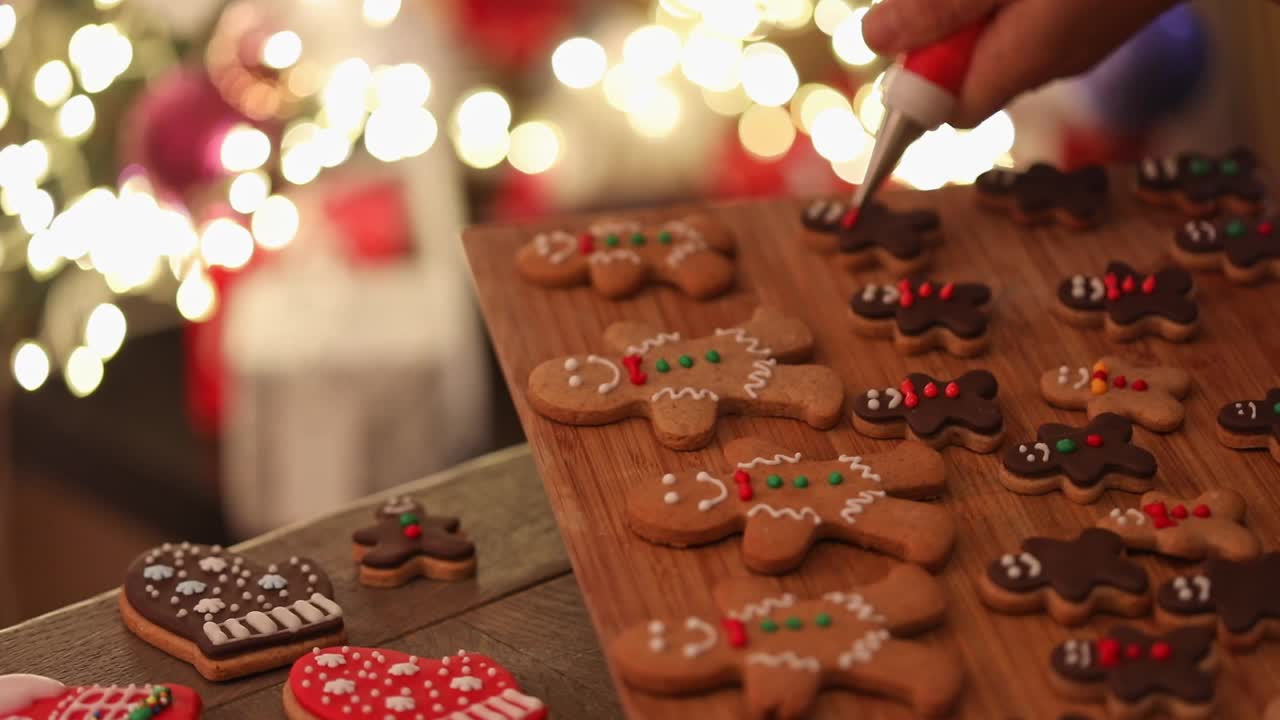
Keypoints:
pixel 1098 386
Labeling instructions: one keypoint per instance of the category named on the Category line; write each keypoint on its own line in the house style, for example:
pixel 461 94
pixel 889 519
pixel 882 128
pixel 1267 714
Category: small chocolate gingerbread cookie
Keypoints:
pixel 1200 185
pixel 921 315
pixel 1252 424
pixel 1130 304
pixel 1043 193
pixel 1082 462
pixel 1240 597
pixel 936 412
pixel 898 240
pixel 1245 250
pixel 406 542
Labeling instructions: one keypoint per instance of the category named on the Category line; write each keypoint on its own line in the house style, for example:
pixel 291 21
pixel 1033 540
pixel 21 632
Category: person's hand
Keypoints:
pixel 1027 44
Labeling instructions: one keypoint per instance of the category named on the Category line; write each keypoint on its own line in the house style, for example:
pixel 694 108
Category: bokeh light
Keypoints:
pixel 712 61
pixel 406 84
pixel 655 111
pixel 818 99
pixel 244 148
pixel 837 136
pixel 52 83
pixel 227 243
pixel 83 372
pixel 8 23
pixel 847 40
pixel 768 77
pixel 652 50
pixel 380 13
pixel 282 50
pixel 275 223
pixel 579 62
pixel 76 117
pixel 30 364
pixel 828 14
pixel 197 298
pixel 105 330
pixel 766 131
pixel 248 190
pixel 535 147
pixel 397 132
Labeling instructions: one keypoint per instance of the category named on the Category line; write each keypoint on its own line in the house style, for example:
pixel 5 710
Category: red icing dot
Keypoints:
pixel 1163 522
pixel 1109 279
pixel 1149 285
pixel 952 390
pixel 1156 509
pixel 1120 381
pixel 1094 441
pixel 1179 511
pixel 947 291
pixel 906 299
pixel 744 484
pixel 412 531
pixel 850 219
pixel 1113 293
pixel 926 289
pixel 931 390
pixel 586 243
pixel 1265 227
pixel 1108 652
pixel 1099 374
pixel 904 285
pixel 1133 651
pixel 1128 284
pixel 1201 511
pixel 911 400
pixel 907 386
pixel 1161 651
pixel 1139 385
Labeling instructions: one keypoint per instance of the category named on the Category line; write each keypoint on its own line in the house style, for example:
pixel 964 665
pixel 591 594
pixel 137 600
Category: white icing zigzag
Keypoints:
pixel 856 465
pixel 763 608
pixel 742 338
pixel 855 505
pixel 694 393
pixel 757 379
pixel 609 256
pixel 684 250
pixel 650 343
pixel 785 512
pixel 855 604
pixel 788 659
pixel 864 648
pixel 775 460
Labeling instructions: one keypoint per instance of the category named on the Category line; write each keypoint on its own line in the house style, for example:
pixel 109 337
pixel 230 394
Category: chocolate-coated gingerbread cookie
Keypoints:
pixel 405 542
pixel 1082 462
pixel 1245 250
pixel 1043 193
pixel 1130 304
pixel 922 314
pixel 936 412
pixel 1240 597
pixel 899 240
pixel 1200 185
pixel 1252 424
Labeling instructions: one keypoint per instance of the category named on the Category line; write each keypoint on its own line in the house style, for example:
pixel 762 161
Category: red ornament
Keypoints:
pixel 1128 284
pixel 947 291
pixel 1201 511
pixel 1109 652
pixel 1161 651
pixel 952 390
pixel 849 220
pixel 735 632
pixel 1179 511
pixel 743 481
pixel 586 243
pixel 412 532
pixel 1265 227
pixel 1149 285
pixel 634 374
pixel 1093 441
pixel 907 386
pixel 1120 381
pixel 911 400
pixel 1139 385
pixel 1133 651
pixel 926 289
pixel 931 390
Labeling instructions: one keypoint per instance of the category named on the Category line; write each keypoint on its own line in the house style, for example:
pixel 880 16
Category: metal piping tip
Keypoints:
pixel 897 132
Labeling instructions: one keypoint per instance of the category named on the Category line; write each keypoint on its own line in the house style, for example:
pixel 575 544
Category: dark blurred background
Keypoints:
pixel 231 288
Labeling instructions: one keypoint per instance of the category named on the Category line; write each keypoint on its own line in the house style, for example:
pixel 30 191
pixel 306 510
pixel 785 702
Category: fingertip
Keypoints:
pixel 881 29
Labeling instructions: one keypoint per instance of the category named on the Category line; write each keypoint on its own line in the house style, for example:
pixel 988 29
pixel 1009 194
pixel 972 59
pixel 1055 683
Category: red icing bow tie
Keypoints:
pixel 735 632
pixel 1116 287
pixel 632 363
pixel 907 295
pixel 1111 652
pixel 1164 517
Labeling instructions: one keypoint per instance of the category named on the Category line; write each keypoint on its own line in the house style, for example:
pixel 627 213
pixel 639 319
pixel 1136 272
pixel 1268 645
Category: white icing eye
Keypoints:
pixel 671 498
pixel 571 364
pixel 575 381
pixel 1022 448
pixel 657 644
pixel 873 404
pixel 668 479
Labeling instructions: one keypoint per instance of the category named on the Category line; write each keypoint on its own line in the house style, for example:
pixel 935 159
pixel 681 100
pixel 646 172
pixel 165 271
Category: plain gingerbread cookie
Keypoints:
pixel 1149 395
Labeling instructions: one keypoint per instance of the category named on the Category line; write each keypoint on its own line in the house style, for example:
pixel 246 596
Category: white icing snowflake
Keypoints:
pixel 330 660
pixel 190 587
pixel 340 686
pixel 157 572
pixel 272 582
pixel 466 683
pixel 209 605
pixel 400 703
pixel 212 564
pixel 404 668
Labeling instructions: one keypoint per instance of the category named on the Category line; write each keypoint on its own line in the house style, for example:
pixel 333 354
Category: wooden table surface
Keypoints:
pixel 588 470
pixel 523 607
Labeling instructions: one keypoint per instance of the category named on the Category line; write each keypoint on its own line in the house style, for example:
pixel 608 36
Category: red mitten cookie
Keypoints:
pixel 1252 424
pixel 619 257
pixel 921 315
pixel 1245 250
pixel 876 235
pixel 407 542
pixel 31 697
pixel 783 649
pixel 1148 395
pixel 336 683
pixel 227 615
pixel 1129 304
pixel 683 386
pixel 1208 525
pixel 782 504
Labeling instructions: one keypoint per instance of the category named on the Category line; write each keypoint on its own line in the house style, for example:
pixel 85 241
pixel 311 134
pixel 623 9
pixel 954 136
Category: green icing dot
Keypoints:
pixel 768 625
pixel 1276 408
pixel 611 240
pixel 835 478
pixel 685 361
pixel 664 237
pixel 1200 166
pixel 713 356
pixel 408 519
pixel 823 620
pixel 801 482
pixel 774 481
pixel 662 365
pixel 1230 166
pixel 1066 445
pixel 637 239
pixel 1235 228
pixel 793 623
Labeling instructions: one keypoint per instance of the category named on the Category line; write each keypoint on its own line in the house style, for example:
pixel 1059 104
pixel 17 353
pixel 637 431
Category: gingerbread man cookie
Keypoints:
pixel 1129 304
pixel 683 386
pixel 1252 424
pixel 936 412
pixel 619 257
pixel 1071 579
pixel 1150 396
pixel 1208 525
pixel 407 542
pixel 32 697
pixel 783 649
pixel 921 315
pixel 1082 462
pixel 1043 194
pixel 1140 675
pixel 1240 597
pixel 1201 185
pixel 783 503
pixel 227 615
pixel 337 683
pixel 1246 251
pixel 876 235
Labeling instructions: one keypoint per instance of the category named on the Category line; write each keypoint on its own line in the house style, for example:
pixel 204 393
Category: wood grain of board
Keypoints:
pixel 588 470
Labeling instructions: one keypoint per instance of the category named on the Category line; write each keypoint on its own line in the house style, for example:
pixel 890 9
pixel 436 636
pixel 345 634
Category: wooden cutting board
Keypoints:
pixel 588 470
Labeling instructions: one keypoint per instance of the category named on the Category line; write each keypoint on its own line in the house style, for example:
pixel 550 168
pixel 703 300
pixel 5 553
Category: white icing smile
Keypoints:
pixel 1042 448
pixel 1186 591
pixel 697 647
pixel 1253 409
pixel 1013 565
pixel 889 294
pixel 1064 377
pixel 1092 287
pixel 571 365
pixel 673 498
pixel 874 396
pixel 555 246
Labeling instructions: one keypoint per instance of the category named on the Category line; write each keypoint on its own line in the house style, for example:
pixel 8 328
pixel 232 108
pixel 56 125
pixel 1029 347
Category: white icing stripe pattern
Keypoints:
pixel 693 393
pixel 854 603
pixel 757 379
pixel 741 337
pixel 609 256
pixel 788 659
pixel 708 503
pixel 106 702
pixel 856 465
pixel 864 648
pixel 298 616
pixel 775 460
pixel 763 608
pixel 650 343
pixel 785 512
pixel 855 506
pixel 555 246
